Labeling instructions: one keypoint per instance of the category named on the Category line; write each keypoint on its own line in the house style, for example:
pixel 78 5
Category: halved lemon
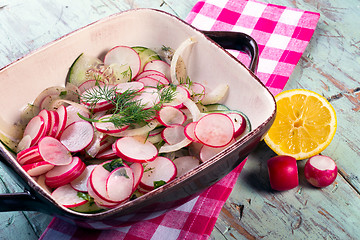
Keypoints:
pixel 304 126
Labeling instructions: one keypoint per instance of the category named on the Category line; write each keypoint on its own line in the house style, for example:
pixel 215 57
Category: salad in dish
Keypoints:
pixel 124 126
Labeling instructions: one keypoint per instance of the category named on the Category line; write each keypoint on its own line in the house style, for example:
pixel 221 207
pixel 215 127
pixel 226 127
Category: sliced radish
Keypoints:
pixel 214 130
pixel 207 152
pixel 150 82
pixel 239 123
pixel 138 171
pixel 80 183
pixel 108 127
pixel 77 136
pixel 160 78
pixel 133 86
pixel 160 66
pixel 62 113
pixel 54 126
pixel 123 55
pixel 119 184
pixel 181 95
pixel 37 168
pixel 32 157
pixel 173 134
pixel 54 152
pixel 67 196
pixel 97 180
pixel 189 131
pixel 35 129
pixel 72 114
pixel 169 115
pixel 89 84
pixel 98 200
pixel 107 154
pixel 197 91
pixel 27 152
pixel 148 97
pixel 48 101
pixel 133 150
pixel 47 119
pixel 185 164
pixel 61 175
pixel 148 73
pixel 161 169
pixel 100 105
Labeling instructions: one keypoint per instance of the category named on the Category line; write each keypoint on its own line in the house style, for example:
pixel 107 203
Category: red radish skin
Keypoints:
pixel 52 151
pixel 169 115
pixel 214 130
pixel 62 113
pixel 173 134
pixel 239 123
pixel 80 183
pixel 161 169
pixel 67 196
pixel 35 129
pixel 108 127
pixel 134 150
pixel 189 132
pixel 77 136
pixel 54 123
pixel 283 172
pixel 38 168
pixel 129 86
pixel 320 171
pixel 160 66
pixel 119 184
pixel 47 119
pixel 138 171
pixel 148 73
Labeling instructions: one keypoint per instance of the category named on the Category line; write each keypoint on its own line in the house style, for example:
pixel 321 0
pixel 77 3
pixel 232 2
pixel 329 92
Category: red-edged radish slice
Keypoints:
pixel 72 114
pixel 138 171
pixel 148 73
pixel 48 101
pixel 32 156
pixel 197 91
pixel 169 115
pixel 214 130
pixel 108 127
pixel 185 164
pixel 148 97
pixel 181 95
pixel 124 55
pixel 61 175
pixel 35 129
pixel 54 126
pixel 132 86
pixel 24 143
pixel 134 150
pixel 189 131
pixel 77 136
pixel 98 200
pixel 160 66
pixel 173 134
pixel 89 84
pixel 47 119
pixel 162 169
pixel 239 123
pixel 62 113
pixel 150 82
pixel 53 151
pixel 37 168
pixel 119 184
pixel 28 153
pixel 80 183
pixel 97 180
pixel 98 106
pixel 160 78
pixel 56 90
pixel 207 152
pixel 107 154
pixel 67 196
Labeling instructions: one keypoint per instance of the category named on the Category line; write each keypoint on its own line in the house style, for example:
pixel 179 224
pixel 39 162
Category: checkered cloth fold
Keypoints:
pixel 282 34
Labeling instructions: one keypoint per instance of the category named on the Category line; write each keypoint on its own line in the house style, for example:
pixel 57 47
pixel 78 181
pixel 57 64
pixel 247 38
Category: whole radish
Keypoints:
pixel 283 172
pixel 320 171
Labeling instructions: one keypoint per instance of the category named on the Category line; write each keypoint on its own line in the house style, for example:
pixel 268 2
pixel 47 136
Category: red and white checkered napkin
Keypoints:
pixel 282 34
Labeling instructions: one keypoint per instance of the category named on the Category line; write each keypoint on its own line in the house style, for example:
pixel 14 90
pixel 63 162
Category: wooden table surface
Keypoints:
pixel 330 66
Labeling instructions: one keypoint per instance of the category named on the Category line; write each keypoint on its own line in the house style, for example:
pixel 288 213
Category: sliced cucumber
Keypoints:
pixel 89 207
pixel 146 55
pixel 77 73
pixel 216 107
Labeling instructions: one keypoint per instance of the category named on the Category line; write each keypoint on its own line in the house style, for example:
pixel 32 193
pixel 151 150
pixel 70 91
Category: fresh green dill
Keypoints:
pixel 126 73
pixel 63 93
pixel 159 183
pixel 127 110
pixel 84 196
pixel 165 48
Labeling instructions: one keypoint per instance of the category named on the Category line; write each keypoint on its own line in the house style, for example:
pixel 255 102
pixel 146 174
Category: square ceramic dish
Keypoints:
pixel 208 63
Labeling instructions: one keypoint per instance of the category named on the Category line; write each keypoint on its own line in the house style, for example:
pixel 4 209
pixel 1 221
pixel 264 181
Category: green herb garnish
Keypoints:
pixel 159 183
pixel 110 166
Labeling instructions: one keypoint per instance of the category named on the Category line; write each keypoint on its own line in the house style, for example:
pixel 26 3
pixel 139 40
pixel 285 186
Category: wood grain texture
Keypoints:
pixel 329 66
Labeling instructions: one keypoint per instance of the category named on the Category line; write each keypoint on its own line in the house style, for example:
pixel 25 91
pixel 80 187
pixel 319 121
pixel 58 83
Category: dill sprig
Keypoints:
pixel 127 110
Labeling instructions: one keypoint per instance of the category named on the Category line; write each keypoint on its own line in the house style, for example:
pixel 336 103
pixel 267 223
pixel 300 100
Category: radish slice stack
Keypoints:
pixel 81 156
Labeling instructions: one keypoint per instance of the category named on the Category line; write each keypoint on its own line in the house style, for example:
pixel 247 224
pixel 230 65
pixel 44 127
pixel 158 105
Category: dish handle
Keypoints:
pixel 237 41
pixel 19 201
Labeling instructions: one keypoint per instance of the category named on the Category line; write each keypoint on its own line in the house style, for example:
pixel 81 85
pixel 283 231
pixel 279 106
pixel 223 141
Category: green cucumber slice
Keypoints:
pixel 89 207
pixel 146 55
pixel 77 73
pixel 216 107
